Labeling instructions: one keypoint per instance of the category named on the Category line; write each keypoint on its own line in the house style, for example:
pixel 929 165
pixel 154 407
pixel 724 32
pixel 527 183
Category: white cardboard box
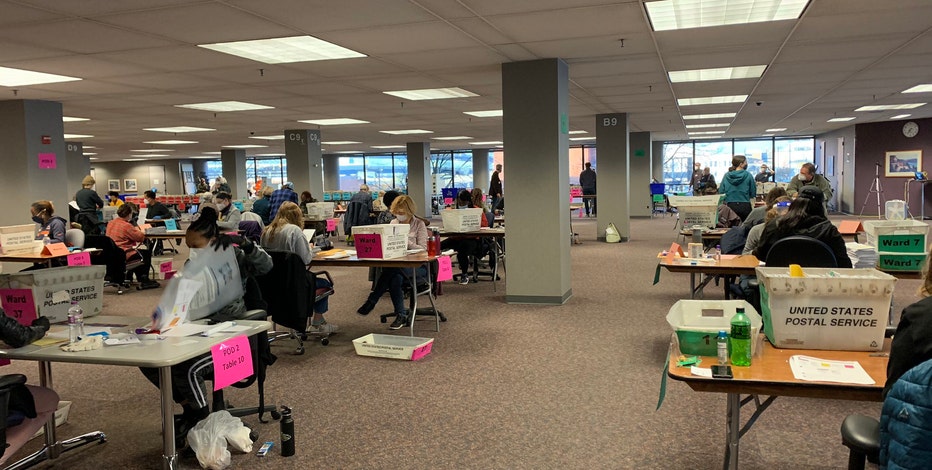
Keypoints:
pixel 85 284
pixel 407 348
pixel 461 220
pixel 319 210
pixel 381 241
pixel 17 239
pixel 162 261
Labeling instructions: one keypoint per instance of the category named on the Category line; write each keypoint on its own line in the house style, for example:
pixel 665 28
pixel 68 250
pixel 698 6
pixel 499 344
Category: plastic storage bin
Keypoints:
pixel 835 309
pixel 897 236
pixel 697 323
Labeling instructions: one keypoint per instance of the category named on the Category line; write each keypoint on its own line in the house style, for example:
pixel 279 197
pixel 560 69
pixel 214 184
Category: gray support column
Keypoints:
pixel 79 166
pixel 611 132
pixel 656 160
pixel 640 174
pixel 234 170
pixel 331 173
pixel 305 165
pixel 419 178
pixel 480 169
pixel 536 100
pixel 28 129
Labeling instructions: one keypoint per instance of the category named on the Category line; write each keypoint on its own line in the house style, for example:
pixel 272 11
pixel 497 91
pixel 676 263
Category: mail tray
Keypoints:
pixel 407 348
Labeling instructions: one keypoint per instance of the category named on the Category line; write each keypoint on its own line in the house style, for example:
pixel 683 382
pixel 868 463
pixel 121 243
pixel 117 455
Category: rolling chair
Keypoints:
pixel 291 295
pixel 262 357
pixel 114 259
pixel 421 287
pixel 74 237
pixel 802 250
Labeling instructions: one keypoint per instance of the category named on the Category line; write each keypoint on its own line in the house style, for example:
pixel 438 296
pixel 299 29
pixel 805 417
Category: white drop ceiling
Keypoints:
pixel 139 59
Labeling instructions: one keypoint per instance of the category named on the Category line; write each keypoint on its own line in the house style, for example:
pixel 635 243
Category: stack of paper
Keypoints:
pixel 862 256
pixel 813 369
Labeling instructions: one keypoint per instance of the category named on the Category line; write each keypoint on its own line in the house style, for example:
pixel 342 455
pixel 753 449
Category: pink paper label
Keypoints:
pixel 165 267
pixel 331 225
pixel 19 304
pixel 47 161
pixel 368 245
pixel 575 192
pixel 232 361
pixel 448 200
pixel 445 272
pixel 79 259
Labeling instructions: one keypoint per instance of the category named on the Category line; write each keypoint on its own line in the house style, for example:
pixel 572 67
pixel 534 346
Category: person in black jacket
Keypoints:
pixel 912 342
pixel 88 203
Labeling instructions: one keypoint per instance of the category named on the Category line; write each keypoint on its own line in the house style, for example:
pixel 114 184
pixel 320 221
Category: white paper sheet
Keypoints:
pixel 701 371
pixel 813 369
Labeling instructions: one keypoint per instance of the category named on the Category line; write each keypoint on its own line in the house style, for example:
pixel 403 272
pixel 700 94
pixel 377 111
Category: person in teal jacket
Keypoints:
pixel 739 187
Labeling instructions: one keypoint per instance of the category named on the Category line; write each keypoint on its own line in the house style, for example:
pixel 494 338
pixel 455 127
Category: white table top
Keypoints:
pixel 147 353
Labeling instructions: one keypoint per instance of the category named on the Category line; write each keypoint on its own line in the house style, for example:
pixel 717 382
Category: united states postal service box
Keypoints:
pixel 319 210
pixel 461 220
pixel 17 239
pixel 835 309
pixel 697 210
pixel 84 284
pixel 380 241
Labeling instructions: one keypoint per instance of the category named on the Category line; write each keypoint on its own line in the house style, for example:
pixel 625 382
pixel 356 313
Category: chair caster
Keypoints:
pixel 299 350
pixel 383 320
pixel 275 415
pixel 324 341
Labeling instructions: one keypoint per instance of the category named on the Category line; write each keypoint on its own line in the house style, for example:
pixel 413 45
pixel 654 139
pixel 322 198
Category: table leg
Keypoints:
pixel 51 440
pixel 495 248
pixel 692 285
pixel 169 453
pixel 732 435
pixel 413 280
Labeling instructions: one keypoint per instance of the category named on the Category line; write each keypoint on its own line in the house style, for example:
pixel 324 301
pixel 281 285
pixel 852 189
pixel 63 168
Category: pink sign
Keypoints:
pixel 575 192
pixel 47 161
pixel 19 304
pixel 232 361
pixel 448 200
pixel 331 225
pixel 368 245
pixel 166 267
pixel 79 259
pixel 445 271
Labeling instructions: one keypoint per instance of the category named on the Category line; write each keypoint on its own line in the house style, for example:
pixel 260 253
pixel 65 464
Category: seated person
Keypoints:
pixel 188 387
pixel 805 216
pixel 465 246
pixel 386 217
pixel 758 214
pixel 51 227
pixel 127 237
pixel 777 209
pixel 286 233
pixel 392 280
pixel 912 342
pixel 263 206
pixel 230 216
pixel 113 199
pixel 305 199
pixel 156 210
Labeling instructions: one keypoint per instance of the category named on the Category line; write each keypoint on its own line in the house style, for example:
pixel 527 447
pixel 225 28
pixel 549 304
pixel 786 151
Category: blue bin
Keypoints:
pixel 327 197
pixel 657 188
pixel 347 195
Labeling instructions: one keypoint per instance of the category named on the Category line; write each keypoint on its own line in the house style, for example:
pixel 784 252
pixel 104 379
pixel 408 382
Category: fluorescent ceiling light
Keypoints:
pixel 712 100
pixel 491 142
pixel 924 88
pixel 246 146
pixel 211 153
pixel 349 151
pixel 77 136
pixel 431 94
pixel 710 116
pixel 407 131
pixel 179 129
pixel 723 73
pixel 149 155
pixel 334 121
pixel 151 150
pixel 388 146
pixel 224 106
pixel 203 157
pixel 578 132
pixel 713 124
pixel 93 158
pixel 844 119
pixel 88 154
pixel 284 50
pixel 778 129
pixel 898 116
pixel 267 137
pixel 268 155
pixel 489 113
pixel 171 142
pixel 455 137
pixel 766 135
pixel 73 119
pixel 582 138
pixel 340 142
pixel 85 147
pixel 706 133
pixel 19 77
pixel 887 107
pixel 681 14
pixel 134 159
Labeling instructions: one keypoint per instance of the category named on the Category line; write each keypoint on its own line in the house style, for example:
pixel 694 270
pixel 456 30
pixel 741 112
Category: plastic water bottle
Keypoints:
pixel 723 347
pixel 75 322
pixel 431 247
pixel 718 253
pixel 287 432
pixel 740 339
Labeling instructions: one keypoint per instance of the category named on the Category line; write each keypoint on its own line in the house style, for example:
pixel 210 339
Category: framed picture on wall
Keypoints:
pixel 113 185
pixel 129 185
pixel 903 163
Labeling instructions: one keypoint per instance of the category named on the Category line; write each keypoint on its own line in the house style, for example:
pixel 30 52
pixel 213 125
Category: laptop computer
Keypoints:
pixel 309 234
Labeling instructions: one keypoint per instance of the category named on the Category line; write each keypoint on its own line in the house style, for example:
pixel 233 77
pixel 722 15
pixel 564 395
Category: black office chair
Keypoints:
pixel 291 295
pixel 262 357
pixel 422 287
pixel 114 259
pixel 802 250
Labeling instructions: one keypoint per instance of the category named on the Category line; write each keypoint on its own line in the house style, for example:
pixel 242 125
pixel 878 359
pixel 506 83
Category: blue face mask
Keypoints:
pixel 37 219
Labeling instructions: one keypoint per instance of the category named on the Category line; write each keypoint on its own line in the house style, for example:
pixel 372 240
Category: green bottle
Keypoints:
pixel 740 339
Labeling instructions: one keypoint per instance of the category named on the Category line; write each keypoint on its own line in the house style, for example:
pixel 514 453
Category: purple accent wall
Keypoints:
pixel 874 140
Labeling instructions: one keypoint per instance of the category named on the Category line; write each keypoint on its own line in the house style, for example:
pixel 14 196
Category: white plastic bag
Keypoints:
pixel 209 439
pixel 611 234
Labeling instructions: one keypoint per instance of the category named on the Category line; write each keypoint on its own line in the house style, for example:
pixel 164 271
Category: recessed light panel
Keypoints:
pixel 151 150
pixel 706 133
pixel 841 119
pixel 578 132
pixel 431 94
pixel 778 129
pixel 455 137
pixel 924 88
pixel 492 142
pixel 268 137
pixel 224 106
pixel 724 73
pixel 489 113
pixel 134 159
pixel 73 119
pixel 88 154
pixel 340 142
pixel 705 126
pixel 246 146
pixel 709 116
pixel 170 142
pixel 383 147
pixel 712 100
pixel 268 155
pixel 334 121
pixel 77 136
pixel 284 50
pixel 179 129
pixel 19 77
pixel 576 139
pixel 681 14
pixel 407 131
pixel 349 151
pixel 887 107
pixel 898 116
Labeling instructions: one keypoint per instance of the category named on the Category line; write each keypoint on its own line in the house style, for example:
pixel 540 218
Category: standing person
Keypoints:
pixel 392 279
pixel 706 180
pixel 286 233
pixel 765 174
pixel 587 181
pixel 89 202
pixel 738 187
pixel 694 179
pixel 51 227
pixel 306 198
pixel 230 216
pixel 496 191
pixel 807 177
pixel 358 211
pixel 285 193
pixel 127 236
pixel 263 207
pixel 221 186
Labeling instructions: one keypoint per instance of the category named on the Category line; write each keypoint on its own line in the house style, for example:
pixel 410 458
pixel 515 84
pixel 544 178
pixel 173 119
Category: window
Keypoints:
pixel 677 166
pixel 716 156
pixel 351 172
pixel 462 169
pixel 379 172
pixel 789 156
pixel 757 152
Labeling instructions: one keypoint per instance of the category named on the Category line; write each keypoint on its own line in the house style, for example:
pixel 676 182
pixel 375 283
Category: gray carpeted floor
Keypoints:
pixel 506 386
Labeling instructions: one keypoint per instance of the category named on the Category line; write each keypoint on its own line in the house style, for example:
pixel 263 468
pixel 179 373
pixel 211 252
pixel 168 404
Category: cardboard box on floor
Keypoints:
pixel 85 284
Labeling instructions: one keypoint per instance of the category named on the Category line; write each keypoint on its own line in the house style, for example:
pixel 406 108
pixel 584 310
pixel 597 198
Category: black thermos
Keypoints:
pixel 287 432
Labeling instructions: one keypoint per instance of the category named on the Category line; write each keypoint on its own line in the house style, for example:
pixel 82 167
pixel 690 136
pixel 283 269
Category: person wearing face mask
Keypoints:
pixel 694 179
pixel 230 216
pixel 739 187
pixel 807 177
pixel 392 279
pixel 155 209
pixel 51 227
pixel 127 236
pixel 464 246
